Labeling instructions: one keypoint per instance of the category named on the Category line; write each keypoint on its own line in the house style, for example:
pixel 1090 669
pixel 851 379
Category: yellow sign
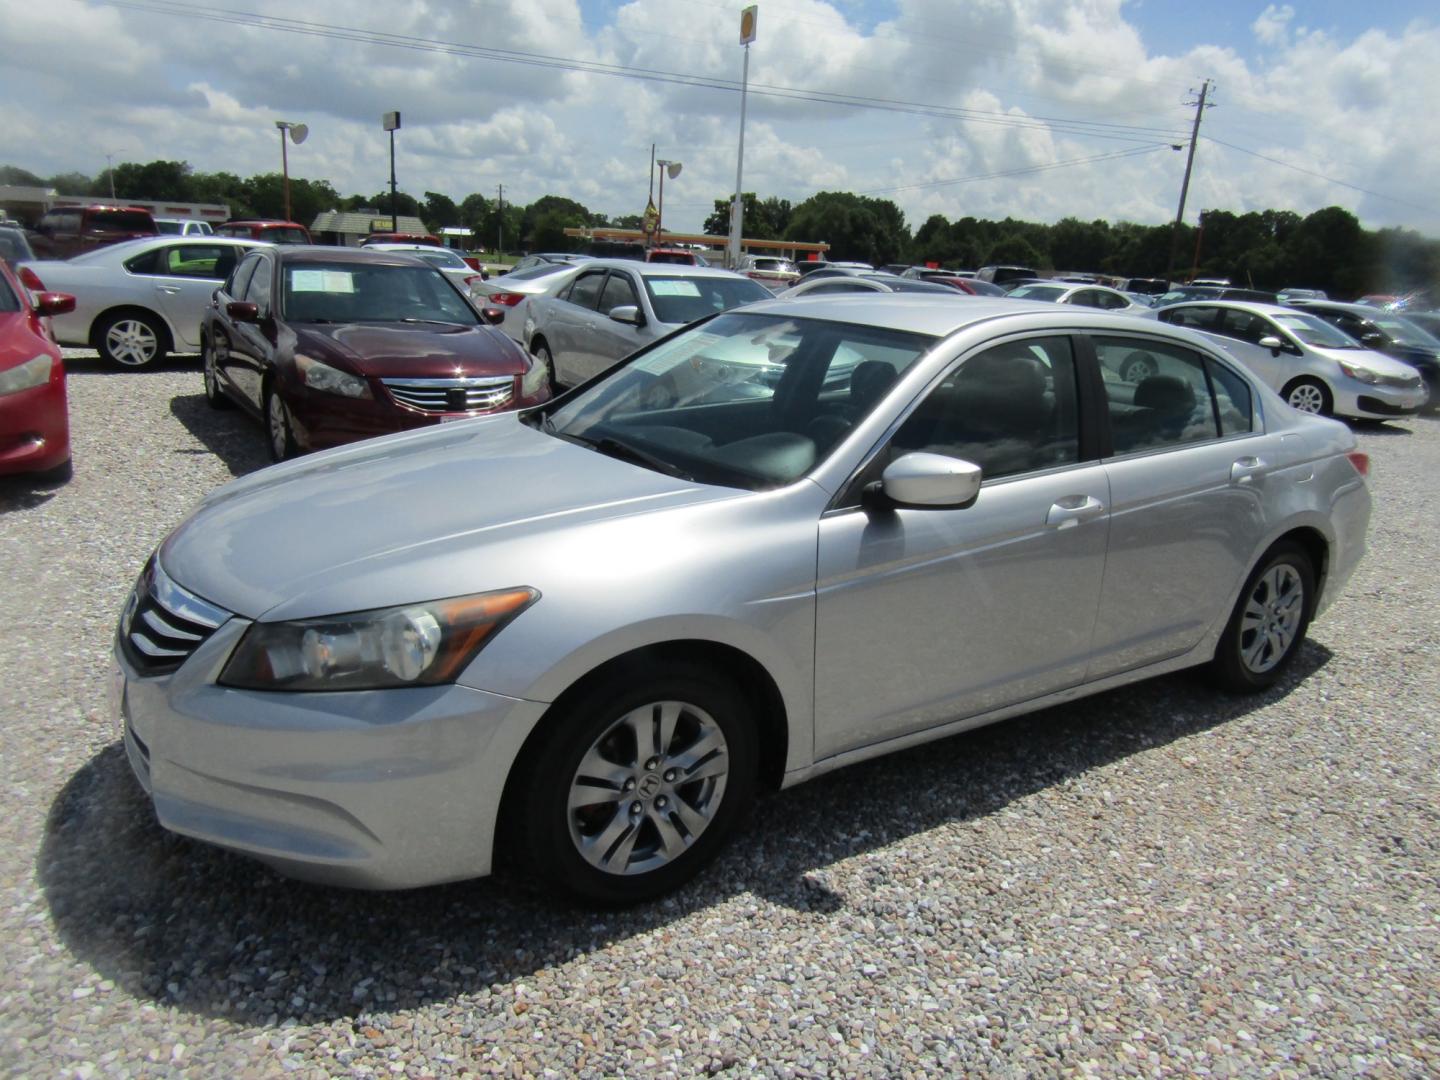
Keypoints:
pixel 747 24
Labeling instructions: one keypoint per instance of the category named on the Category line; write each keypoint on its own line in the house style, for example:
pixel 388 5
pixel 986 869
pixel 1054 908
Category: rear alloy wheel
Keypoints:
pixel 278 428
pixel 1308 396
pixel 1269 621
pixel 214 396
pixel 637 787
pixel 131 340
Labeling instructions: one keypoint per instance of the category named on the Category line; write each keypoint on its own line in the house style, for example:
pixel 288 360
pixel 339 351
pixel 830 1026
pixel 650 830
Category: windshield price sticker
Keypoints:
pixel 659 361
pixel 323 281
pixel 673 287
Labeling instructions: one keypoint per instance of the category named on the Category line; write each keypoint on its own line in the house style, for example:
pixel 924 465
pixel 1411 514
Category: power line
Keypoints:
pixel 1321 176
pixel 1079 128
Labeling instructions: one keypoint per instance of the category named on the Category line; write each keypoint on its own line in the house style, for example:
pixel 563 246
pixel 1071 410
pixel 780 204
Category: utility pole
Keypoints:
pixel 500 222
pixel 1200 108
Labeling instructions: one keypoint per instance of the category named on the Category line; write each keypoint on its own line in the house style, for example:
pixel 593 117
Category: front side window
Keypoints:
pixel 240 279
pixel 618 292
pixel 1163 400
pixel 747 401
pixel 258 289
pixel 584 291
pixel 1315 331
pixel 1243 326
pixel 1010 409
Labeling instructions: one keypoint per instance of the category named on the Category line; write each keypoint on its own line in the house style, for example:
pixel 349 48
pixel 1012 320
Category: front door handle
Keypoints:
pixel 1071 510
pixel 1245 469
pixel 168 290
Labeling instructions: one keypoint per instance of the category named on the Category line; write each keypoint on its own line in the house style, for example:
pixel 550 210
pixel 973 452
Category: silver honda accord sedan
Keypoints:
pixel 788 538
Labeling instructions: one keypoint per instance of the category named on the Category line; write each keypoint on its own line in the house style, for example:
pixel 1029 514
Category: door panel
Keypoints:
pixel 925 616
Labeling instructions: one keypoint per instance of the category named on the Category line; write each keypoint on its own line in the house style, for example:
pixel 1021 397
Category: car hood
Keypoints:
pixel 444 511
pixel 420 350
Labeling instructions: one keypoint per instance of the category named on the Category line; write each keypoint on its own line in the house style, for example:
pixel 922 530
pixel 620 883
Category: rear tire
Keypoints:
pixel 131 339
pixel 1268 625
pixel 1308 395
pixel 637 785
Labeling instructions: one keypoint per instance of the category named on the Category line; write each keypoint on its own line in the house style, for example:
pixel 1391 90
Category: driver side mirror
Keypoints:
pixel 54 303
pixel 1273 343
pixel 628 313
pixel 925 481
pixel 493 315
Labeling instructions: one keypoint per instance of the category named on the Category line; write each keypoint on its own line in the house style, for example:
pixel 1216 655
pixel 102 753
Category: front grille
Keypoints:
pixel 453 395
pixel 163 624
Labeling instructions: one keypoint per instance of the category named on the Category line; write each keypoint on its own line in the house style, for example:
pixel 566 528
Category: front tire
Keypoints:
pixel 1308 396
pixel 215 397
pixel 639 782
pixel 543 354
pixel 1268 624
pixel 131 339
pixel 280 434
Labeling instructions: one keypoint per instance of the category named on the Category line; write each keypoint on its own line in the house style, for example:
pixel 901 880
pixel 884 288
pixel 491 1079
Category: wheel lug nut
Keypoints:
pixel 630 784
pixel 635 809
pixel 670 775
pixel 661 802
pixel 650 765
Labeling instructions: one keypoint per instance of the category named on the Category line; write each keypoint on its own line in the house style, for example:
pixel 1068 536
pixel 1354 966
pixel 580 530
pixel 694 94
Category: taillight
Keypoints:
pixel 472 279
pixel 1361 461
pixel 509 299
pixel 31 280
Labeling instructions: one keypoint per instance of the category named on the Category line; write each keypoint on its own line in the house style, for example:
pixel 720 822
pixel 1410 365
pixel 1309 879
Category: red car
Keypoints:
pixel 71 230
pixel 401 238
pixel 275 232
pixel 328 345
pixel 34 421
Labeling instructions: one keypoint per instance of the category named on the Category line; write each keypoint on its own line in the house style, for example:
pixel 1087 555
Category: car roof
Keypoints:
pixel 940 316
pixel 645 269
pixel 1256 307
pixel 315 253
pixel 1363 310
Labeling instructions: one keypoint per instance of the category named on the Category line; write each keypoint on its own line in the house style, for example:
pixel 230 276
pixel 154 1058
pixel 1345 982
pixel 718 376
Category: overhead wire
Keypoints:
pixel 1319 175
pixel 1019 171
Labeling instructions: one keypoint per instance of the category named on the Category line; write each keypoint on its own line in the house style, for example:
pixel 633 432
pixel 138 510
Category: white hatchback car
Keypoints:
pixel 1315 367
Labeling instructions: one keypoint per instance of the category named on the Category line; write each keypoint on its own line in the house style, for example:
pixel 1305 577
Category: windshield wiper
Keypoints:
pixel 613 447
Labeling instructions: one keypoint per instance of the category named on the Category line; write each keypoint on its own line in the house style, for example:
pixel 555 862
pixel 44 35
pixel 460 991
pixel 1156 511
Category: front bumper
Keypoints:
pixel 322 421
pixel 1378 402
pixel 383 789
pixel 35 427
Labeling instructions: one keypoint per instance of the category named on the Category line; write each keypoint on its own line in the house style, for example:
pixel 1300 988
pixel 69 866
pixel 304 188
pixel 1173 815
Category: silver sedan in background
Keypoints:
pixel 1086 295
pixel 591 632
pixel 611 307
pixel 460 273
pixel 511 293
pixel 138 300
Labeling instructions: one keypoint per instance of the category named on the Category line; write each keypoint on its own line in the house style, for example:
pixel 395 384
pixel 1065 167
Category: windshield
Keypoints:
pixel 169 227
pixel 1404 332
pixel 747 401
pixel 13 246
pixel 685 299
pixel 9 302
pixel 440 257
pixel 1037 292
pixel 284 235
pixel 121 221
pixel 360 292
pixel 1315 331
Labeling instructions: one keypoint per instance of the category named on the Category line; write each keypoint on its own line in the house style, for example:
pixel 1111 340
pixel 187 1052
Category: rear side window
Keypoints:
pixel 1197 318
pixel 212 262
pixel 1232 399
pixel 121 221
pixel 1158 394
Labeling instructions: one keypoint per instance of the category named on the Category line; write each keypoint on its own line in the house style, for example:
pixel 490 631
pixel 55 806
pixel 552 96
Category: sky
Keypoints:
pixel 1036 109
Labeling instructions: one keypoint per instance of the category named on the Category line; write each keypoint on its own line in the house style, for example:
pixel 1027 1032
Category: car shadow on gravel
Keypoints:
pixel 210 933
pixel 91 364
pixel 229 434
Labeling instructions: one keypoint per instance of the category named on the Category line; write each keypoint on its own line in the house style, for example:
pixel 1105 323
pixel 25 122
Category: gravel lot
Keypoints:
pixel 1158 880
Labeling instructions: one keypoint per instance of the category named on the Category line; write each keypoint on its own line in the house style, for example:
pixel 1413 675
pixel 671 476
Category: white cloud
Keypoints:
pixel 82 80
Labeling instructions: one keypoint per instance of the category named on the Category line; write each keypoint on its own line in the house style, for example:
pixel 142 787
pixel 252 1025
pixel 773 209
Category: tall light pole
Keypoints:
pixel 673 168
pixel 748 18
pixel 297 133
pixel 390 121
pixel 110 168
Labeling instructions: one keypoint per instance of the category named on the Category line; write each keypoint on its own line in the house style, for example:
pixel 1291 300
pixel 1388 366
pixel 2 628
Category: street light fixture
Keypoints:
pixel 298 134
pixel 673 168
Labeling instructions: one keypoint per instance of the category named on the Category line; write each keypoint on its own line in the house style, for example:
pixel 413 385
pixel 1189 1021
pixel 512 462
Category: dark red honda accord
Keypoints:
pixel 329 345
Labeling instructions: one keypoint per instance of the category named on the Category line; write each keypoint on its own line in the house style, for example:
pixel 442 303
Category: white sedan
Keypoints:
pixel 460 273
pixel 1095 296
pixel 138 300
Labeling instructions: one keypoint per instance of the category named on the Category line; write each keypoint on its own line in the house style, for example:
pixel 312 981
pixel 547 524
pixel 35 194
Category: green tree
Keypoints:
pixel 404 204
pixel 13 174
pixel 439 211
pixel 160 180
pixel 473 209
pixel 544 222
pixel 1017 250
pixel 855 226
pixel 765 219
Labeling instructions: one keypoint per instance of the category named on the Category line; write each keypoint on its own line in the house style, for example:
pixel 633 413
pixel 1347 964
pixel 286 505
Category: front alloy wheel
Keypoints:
pixel 210 356
pixel 1307 397
pixel 648 788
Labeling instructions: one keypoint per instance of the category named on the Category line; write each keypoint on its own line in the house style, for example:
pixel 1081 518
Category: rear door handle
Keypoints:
pixel 1071 510
pixel 168 290
pixel 1246 468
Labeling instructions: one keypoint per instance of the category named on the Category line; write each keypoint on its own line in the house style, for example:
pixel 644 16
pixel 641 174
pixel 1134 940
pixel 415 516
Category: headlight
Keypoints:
pixel 329 380
pixel 1363 374
pixel 413 645
pixel 32 373
pixel 534 378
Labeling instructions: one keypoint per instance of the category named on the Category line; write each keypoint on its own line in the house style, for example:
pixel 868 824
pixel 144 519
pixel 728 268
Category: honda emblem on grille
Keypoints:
pixel 456 400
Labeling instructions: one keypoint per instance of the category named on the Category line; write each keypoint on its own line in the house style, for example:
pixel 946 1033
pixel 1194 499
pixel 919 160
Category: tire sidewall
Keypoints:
pixel 271 398
pixel 544 815
pixel 1231 669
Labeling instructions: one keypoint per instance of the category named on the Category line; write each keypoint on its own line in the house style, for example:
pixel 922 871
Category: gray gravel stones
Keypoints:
pixel 1159 880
